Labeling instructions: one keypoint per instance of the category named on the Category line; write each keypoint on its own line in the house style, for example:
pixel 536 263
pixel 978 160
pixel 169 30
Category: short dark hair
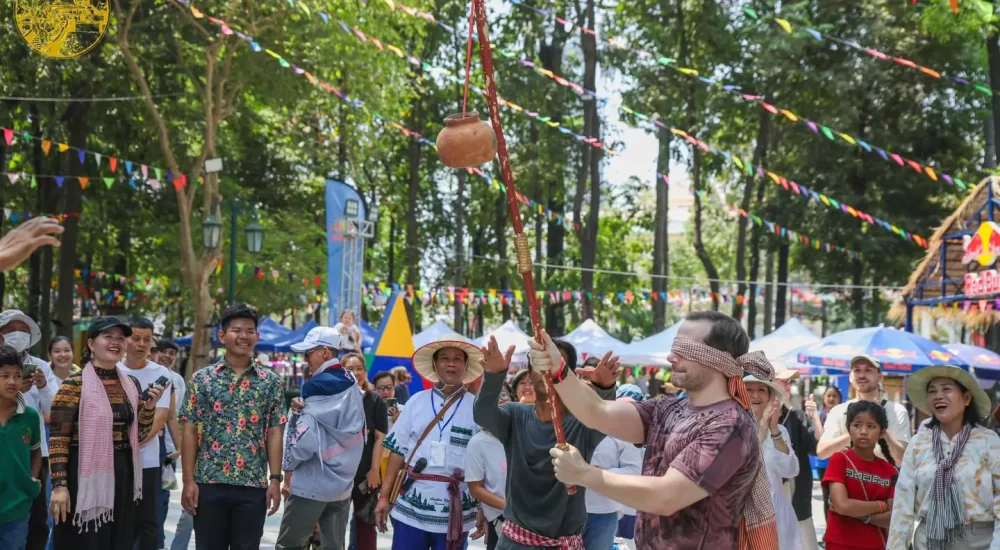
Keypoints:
pixel 140 322
pixel 9 357
pixel 569 350
pixel 238 311
pixel 726 334
pixel 383 374
pixel 591 361
pixel 58 339
pixel 971 416
pixel 167 343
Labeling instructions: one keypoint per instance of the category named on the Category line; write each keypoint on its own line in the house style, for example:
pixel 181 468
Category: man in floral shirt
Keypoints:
pixel 232 436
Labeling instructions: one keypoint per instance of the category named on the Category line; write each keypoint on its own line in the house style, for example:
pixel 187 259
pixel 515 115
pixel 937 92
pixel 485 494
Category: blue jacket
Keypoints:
pixel 324 443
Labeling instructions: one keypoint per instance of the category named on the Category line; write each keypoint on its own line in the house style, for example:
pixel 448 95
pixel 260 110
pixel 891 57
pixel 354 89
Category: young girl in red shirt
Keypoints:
pixel 860 483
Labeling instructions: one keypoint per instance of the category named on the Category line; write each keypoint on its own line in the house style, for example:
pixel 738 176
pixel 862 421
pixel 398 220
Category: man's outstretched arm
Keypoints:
pixel 617 419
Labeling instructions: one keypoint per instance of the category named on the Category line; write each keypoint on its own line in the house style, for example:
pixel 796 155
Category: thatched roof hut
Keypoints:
pixel 939 282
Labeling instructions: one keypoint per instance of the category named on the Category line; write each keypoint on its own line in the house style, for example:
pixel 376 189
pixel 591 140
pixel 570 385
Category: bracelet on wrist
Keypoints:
pixel 561 374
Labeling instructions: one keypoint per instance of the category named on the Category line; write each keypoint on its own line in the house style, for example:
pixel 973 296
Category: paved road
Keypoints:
pixel 385 541
pixel 270 528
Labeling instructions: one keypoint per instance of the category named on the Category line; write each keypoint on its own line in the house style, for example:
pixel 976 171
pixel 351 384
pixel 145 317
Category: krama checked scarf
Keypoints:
pixel 759 526
pixel 95 497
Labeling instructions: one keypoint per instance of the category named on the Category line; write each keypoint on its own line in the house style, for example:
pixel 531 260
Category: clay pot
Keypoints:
pixel 466 142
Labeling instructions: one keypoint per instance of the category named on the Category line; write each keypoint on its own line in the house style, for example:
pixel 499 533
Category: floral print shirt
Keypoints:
pixel 977 472
pixel 233 414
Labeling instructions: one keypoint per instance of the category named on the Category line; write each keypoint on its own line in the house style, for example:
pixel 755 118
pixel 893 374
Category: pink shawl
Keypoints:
pixel 95 497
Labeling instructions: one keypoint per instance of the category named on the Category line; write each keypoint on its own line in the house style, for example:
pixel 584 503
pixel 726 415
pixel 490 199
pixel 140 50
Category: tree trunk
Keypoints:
pixel 876 306
pixel 759 153
pixel 500 228
pixel 661 235
pixel 857 296
pixel 993 58
pixel 459 280
pixel 412 193
pixel 751 299
pixel 780 306
pixel 696 175
pixel 590 111
pixel 35 284
pixel 769 291
pixel 76 120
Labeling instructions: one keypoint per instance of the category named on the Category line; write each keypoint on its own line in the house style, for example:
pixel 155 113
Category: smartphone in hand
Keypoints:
pixel 161 381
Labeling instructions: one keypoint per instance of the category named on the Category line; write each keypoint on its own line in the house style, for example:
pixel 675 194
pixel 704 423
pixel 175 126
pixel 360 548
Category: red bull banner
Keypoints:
pixel 982 283
pixel 983 247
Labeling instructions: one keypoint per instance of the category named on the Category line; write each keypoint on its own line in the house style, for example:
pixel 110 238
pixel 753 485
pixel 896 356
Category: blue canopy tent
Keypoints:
pixel 899 351
pixel 269 332
pixel 285 344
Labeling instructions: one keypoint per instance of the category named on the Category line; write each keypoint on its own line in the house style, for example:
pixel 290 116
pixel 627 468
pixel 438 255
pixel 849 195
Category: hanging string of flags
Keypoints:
pixel 820 37
pixel 747 168
pixel 18 217
pixel 776 229
pixel 134 172
pixel 227 29
pixel 817 128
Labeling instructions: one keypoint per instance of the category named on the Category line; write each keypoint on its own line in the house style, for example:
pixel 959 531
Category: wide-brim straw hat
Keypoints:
pixel 423 360
pixel 916 388
pixel 777 392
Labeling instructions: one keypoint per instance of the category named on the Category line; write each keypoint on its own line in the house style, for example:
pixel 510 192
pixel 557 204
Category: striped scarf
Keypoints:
pixel 946 513
pixel 758 526
pixel 95 496
pixel 519 535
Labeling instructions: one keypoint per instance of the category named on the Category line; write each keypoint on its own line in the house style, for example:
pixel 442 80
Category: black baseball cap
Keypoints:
pixel 109 322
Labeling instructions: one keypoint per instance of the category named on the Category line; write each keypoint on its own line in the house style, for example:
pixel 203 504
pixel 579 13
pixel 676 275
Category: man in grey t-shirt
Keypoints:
pixel 533 493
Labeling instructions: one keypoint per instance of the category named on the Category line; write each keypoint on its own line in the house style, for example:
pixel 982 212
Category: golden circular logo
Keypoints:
pixel 62 29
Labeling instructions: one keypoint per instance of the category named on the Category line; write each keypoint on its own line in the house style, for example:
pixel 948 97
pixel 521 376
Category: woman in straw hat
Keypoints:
pixel 431 436
pixel 766 398
pixel 949 483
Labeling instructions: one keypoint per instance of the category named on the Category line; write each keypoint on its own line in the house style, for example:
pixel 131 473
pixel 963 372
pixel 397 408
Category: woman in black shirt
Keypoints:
pixel 367 479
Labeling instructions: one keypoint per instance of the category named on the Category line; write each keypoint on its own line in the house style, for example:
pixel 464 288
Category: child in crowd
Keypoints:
pixel 861 484
pixel 20 452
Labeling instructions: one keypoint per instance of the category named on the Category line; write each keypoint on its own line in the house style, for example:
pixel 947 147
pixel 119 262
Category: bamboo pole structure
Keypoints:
pixel 521 246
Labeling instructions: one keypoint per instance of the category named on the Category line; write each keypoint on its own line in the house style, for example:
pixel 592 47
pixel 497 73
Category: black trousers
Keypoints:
pixel 147 526
pixel 229 517
pixel 117 534
pixel 38 524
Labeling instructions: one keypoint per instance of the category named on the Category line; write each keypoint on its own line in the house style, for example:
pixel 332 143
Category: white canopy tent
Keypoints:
pixel 789 336
pixel 650 351
pixel 437 331
pixel 590 339
pixel 509 334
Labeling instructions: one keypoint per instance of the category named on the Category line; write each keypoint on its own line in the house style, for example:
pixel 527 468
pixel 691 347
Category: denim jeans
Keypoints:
pixel 14 534
pixel 600 531
pixel 182 534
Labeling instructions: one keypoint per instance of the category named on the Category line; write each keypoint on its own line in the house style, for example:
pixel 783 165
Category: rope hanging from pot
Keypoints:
pixel 522 248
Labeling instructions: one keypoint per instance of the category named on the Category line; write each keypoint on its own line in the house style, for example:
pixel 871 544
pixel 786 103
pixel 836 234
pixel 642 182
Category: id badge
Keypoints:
pixel 438 454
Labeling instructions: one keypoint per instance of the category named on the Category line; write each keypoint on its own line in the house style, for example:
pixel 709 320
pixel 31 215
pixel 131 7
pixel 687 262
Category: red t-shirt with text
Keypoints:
pixel 877 479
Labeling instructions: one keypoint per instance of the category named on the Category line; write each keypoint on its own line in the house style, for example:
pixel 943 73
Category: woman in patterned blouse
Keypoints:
pixel 94 446
pixel 948 492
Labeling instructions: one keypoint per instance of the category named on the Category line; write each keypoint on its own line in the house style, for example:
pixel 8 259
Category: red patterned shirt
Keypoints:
pixel 716 447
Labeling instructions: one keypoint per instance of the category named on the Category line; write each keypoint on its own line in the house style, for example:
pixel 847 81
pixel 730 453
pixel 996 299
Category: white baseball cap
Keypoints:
pixel 319 337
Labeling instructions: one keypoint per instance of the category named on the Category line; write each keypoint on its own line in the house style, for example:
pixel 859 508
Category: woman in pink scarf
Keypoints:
pixel 97 423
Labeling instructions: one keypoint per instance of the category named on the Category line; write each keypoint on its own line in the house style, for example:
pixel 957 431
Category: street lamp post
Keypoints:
pixel 212 235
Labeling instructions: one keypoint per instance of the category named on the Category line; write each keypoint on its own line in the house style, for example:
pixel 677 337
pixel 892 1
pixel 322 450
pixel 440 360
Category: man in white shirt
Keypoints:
pixel 866 377
pixel 137 364
pixel 21 332
pixel 434 508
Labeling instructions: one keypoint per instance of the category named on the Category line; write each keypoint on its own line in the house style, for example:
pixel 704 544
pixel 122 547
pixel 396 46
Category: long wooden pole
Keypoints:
pixel 521 246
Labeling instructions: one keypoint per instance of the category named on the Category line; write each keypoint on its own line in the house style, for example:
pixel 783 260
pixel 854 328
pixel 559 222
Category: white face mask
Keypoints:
pixel 20 341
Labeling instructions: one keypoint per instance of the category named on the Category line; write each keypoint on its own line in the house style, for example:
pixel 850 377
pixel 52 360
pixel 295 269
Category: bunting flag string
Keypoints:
pixel 227 29
pixel 810 31
pixel 18 217
pixel 776 229
pixel 817 128
pixel 134 180
pixel 747 168
pixel 134 172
